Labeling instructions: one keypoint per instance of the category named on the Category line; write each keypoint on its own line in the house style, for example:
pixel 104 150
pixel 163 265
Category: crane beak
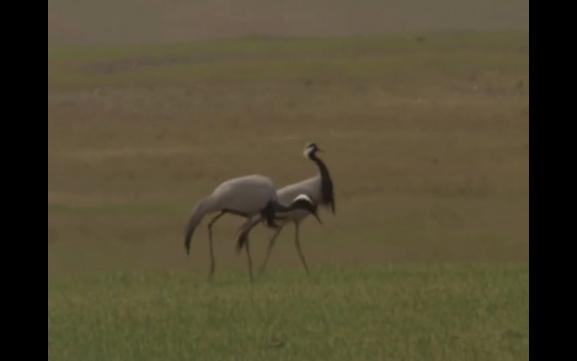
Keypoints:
pixel 317 217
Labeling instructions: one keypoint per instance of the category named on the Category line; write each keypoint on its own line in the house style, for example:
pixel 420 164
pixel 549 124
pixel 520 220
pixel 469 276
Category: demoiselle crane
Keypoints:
pixel 252 197
pixel 318 189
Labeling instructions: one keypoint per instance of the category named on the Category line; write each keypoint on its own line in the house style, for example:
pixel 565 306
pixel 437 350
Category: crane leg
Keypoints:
pixel 269 249
pixel 210 224
pixel 298 246
pixel 249 260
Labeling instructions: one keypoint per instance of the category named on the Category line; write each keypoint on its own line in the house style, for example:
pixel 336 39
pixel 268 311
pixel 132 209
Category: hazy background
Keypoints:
pixel 421 106
pixel 161 21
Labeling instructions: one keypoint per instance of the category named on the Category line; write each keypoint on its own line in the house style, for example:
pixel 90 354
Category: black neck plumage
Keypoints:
pixel 270 212
pixel 327 192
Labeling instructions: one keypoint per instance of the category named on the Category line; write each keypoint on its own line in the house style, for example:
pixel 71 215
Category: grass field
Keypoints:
pixel 426 136
pixel 458 312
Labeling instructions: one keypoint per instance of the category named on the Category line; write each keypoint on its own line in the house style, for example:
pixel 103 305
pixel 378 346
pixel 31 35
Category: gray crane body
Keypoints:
pixel 245 196
pixel 257 191
pixel 311 187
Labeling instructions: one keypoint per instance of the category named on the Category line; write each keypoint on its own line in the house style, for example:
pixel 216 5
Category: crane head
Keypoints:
pixel 310 149
pixel 302 201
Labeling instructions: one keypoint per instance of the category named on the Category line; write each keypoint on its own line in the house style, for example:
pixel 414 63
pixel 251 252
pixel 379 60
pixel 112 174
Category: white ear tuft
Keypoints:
pixel 309 149
pixel 303 197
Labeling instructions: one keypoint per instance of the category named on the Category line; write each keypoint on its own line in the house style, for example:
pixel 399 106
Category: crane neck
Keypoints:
pixel 326 181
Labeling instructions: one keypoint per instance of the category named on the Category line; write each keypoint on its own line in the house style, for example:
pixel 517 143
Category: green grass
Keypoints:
pixel 411 312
